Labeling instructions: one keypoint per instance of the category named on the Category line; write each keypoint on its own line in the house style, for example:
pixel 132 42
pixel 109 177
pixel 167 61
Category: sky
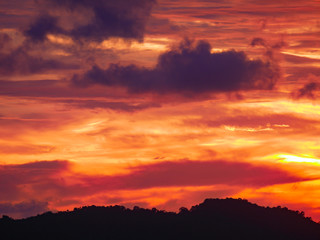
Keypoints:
pixel 159 103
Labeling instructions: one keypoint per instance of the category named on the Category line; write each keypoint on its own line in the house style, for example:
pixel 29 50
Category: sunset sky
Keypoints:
pixel 159 103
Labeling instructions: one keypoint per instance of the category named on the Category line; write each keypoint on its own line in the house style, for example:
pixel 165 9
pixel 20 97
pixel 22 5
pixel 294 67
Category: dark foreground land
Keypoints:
pixel 212 219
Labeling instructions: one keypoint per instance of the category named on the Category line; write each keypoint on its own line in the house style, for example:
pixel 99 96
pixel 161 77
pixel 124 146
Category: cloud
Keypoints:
pixel 258 42
pixel 42 88
pixel 118 106
pixel 93 20
pixel 20 180
pixel 4 40
pixel 282 122
pixel 25 149
pixel 47 176
pixel 46 88
pixel 158 26
pixel 202 173
pixel 307 91
pixel 19 61
pixel 20 57
pixel 54 181
pixel 190 68
pixel 299 59
pixel 270 49
pixel 23 209
pixel 61 93
pixel 43 25
pixel 303 73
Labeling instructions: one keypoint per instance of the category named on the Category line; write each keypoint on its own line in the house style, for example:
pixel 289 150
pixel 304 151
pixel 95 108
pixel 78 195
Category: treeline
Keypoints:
pixel 212 219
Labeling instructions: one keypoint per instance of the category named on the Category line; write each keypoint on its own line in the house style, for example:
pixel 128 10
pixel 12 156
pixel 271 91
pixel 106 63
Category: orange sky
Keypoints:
pixel 162 104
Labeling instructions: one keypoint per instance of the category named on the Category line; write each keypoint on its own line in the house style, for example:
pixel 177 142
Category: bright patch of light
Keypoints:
pixel 89 127
pixel 297 159
pixel 60 39
pixel 157 44
pixel 259 129
pixel 305 55
pixel 281 125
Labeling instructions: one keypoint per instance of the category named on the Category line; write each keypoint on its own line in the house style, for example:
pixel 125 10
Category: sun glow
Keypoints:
pixel 297 159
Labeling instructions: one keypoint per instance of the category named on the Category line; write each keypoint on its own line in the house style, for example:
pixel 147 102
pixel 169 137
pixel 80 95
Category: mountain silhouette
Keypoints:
pixel 213 219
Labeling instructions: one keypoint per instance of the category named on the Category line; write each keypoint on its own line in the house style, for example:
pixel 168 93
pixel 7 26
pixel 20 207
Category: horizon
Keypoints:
pixel 214 218
pixel 182 209
pixel 159 103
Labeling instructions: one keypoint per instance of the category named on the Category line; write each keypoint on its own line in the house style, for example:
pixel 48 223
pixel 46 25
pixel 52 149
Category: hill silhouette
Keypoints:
pixel 213 219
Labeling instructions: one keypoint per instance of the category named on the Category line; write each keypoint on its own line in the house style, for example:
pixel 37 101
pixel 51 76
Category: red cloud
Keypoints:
pixel 47 178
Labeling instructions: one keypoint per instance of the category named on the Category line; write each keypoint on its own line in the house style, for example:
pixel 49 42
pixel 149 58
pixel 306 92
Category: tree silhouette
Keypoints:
pixel 213 219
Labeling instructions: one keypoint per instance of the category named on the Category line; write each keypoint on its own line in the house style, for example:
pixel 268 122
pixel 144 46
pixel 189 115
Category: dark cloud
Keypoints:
pixel 190 68
pixel 19 61
pixel 307 91
pixel 101 19
pixel 270 49
pixel 15 13
pixel 43 88
pixel 162 25
pixel 23 58
pixel 264 43
pixel 258 42
pixel 4 40
pixel 23 209
pixel 60 92
pixel 42 26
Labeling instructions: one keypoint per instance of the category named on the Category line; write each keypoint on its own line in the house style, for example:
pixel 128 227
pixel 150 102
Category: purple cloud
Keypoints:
pixel 307 91
pixel 4 40
pixel 19 61
pixel 102 19
pixel 188 69
pixel 23 209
